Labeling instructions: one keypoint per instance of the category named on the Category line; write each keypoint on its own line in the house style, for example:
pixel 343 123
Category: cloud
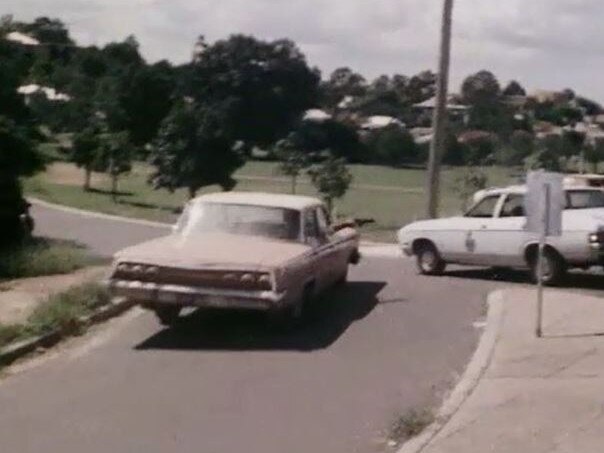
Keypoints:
pixel 543 43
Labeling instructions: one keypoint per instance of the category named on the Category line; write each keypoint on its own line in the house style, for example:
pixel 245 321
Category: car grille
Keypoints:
pixel 222 279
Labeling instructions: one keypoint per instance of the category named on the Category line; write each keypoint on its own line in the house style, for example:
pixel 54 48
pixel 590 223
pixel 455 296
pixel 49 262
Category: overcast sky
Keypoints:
pixel 550 44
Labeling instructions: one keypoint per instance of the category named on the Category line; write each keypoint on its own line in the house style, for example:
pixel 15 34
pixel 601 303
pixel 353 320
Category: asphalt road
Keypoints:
pixel 221 383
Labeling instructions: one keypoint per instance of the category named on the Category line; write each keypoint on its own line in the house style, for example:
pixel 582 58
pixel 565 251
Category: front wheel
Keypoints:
pixel 429 261
pixel 167 315
pixel 553 268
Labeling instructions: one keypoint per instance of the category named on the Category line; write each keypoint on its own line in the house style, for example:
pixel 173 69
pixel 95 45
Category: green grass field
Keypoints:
pixel 393 197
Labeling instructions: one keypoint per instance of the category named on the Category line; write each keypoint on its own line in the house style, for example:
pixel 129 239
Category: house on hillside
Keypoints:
pixel 316 115
pixel 377 122
pixel 21 38
pixel 50 93
pixel 458 113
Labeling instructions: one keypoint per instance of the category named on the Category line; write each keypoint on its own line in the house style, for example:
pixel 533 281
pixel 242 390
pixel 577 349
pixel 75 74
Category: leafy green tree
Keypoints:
pixel 86 151
pixel 482 92
pixel 468 183
pixel 341 83
pixel 514 89
pixel 520 146
pixel 115 157
pixel 193 150
pixel 18 157
pixel 312 137
pixel 265 85
pixel 331 178
pixel 594 154
pixel 548 156
pixel 292 161
pixel 393 146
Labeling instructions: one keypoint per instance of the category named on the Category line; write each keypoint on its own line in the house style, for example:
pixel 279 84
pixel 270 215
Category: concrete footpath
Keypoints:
pixel 536 395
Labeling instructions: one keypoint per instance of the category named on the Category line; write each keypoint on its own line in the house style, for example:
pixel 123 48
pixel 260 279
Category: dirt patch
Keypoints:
pixel 70 175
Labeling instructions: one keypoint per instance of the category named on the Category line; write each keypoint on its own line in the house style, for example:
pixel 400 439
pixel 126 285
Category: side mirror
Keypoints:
pixel 342 225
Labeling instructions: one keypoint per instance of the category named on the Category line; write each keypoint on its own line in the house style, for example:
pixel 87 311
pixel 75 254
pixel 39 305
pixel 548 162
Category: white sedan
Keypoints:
pixel 492 233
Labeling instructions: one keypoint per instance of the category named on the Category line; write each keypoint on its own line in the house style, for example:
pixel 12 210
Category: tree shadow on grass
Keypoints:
pixel 247 331
pixel 109 193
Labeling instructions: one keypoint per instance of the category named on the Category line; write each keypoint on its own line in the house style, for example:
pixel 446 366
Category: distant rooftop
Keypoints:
pixel 317 115
pixel 50 93
pixel 22 38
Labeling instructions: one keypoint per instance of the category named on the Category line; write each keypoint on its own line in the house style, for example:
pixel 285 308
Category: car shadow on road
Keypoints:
pixel 241 331
pixel 574 280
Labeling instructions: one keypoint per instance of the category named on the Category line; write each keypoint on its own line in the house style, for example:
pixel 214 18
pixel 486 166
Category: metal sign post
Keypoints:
pixel 543 204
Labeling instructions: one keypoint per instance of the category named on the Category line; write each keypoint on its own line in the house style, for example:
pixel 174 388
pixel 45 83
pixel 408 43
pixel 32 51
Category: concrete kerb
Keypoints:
pixel 17 350
pixel 472 375
pixel 369 248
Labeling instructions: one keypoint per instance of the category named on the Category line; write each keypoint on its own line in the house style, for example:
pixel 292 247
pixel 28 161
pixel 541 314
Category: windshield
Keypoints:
pixel 270 222
pixel 584 199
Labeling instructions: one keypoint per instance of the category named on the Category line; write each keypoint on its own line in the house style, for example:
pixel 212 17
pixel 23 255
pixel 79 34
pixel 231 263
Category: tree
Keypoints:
pixel 292 161
pixel 265 85
pixel 115 157
pixel 393 146
pixel 85 152
pixel 341 83
pixel 482 92
pixel 468 183
pixel 594 154
pixel 521 145
pixel 514 89
pixel 331 178
pixel 313 137
pixel 193 150
pixel 548 155
pixel 18 155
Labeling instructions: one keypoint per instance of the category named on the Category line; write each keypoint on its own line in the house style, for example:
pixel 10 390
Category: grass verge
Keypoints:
pixel 392 197
pixel 40 256
pixel 409 425
pixel 61 312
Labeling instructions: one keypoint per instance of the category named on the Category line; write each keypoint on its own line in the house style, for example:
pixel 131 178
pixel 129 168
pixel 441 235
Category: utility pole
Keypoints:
pixel 439 122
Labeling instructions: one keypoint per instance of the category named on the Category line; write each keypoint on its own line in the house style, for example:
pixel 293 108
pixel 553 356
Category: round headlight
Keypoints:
pixel 247 278
pixel 137 268
pixel 265 280
pixel 152 270
pixel 230 277
pixel 123 267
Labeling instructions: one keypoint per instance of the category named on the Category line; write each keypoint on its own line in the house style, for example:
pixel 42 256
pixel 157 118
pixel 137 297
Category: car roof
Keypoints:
pixel 284 201
pixel 520 189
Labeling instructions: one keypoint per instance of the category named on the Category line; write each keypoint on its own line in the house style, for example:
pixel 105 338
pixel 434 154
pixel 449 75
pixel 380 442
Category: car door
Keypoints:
pixel 478 219
pixel 501 238
pixel 322 254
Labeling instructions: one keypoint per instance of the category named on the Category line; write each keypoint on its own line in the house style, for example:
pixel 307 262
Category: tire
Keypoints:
pixel 167 315
pixel 293 316
pixel 554 268
pixel 429 261
pixel 343 280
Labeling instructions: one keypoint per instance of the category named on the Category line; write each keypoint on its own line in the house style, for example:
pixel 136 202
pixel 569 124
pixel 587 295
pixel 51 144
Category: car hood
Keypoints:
pixel 434 224
pixel 214 250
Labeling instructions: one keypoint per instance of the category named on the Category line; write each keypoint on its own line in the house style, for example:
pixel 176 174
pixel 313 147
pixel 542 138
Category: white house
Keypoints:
pixel 50 93
pixel 22 38
pixel 380 122
pixel 316 115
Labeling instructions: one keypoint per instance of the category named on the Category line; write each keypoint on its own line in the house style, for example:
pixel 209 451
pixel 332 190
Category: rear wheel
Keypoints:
pixel 553 267
pixel 429 261
pixel 167 315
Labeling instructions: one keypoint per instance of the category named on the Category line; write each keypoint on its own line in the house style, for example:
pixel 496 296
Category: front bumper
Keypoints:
pixel 150 294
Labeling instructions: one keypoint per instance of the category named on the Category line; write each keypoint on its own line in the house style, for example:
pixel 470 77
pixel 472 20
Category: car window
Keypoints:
pixel 322 220
pixel 311 229
pixel 485 208
pixel 513 206
pixel 584 199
